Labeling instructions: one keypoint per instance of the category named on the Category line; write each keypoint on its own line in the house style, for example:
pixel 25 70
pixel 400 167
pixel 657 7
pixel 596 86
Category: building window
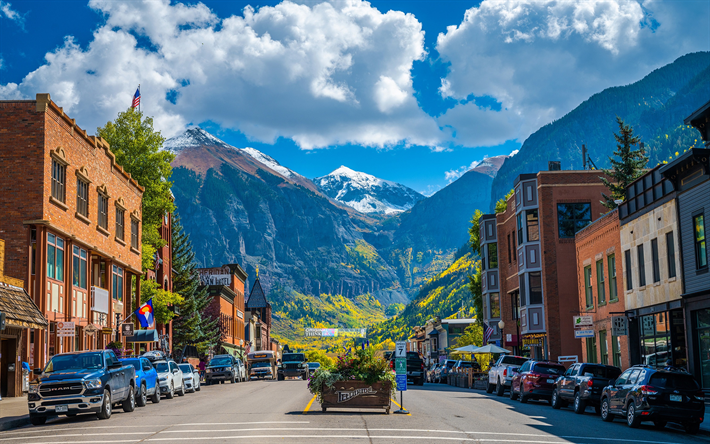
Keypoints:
pixel 520 229
pixel 55 257
pixel 642 265
pixel 603 348
pixel 611 263
pixel 521 283
pixel 510 256
pixel 59 179
pixel 654 261
pixel 515 251
pixel 120 217
pixel 492 256
pixel 79 267
pixel 572 217
pixel 103 211
pixel 616 350
pixel 588 286
pixel 134 233
pixel 536 287
pixel 601 296
pixel 82 197
pixel 532 225
pixel 495 305
pixel 591 350
pixel 629 280
pixel 701 254
pixel 117 283
pixel 33 241
pixel 670 251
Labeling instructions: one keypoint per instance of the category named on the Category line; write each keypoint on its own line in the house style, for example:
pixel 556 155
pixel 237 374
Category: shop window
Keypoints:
pixel 532 224
pixel 702 323
pixel 616 350
pixel 603 348
pixel 120 218
pixel 591 350
pixel 536 287
pixel 588 286
pixel 492 256
pixel 82 197
pixel 55 257
pixel 611 263
pixel 59 178
pixel 572 217
pixel 134 233
pixel 495 305
pixel 642 265
pixel 701 254
pixel 670 253
pixel 601 295
pixel 654 261
pixel 79 267
pixel 629 278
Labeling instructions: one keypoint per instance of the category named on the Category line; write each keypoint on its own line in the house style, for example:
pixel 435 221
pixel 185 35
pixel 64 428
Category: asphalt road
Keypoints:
pixel 282 411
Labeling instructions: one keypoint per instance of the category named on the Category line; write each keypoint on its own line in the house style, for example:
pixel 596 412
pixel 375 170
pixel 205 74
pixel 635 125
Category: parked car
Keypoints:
pixel 415 367
pixel 535 380
pixel 241 371
pixel 312 367
pixel 221 368
pixel 190 377
pixel 155 355
pixel 499 376
pixel 431 373
pixel 169 378
pixel 467 364
pixel 582 384
pixel 81 382
pixel 292 364
pixel 646 394
pixel 146 380
pixel 442 374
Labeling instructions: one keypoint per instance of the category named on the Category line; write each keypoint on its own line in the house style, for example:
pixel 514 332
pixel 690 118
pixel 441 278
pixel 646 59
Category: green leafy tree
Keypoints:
pixel 162 300
pixel 502 204
pixel 320 357
pixel 474 280
pixel 192 327
pixel 628 167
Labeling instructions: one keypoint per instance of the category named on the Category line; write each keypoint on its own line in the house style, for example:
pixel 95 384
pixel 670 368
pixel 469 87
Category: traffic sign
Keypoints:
pixel 400 366
pixel 619 326
pixel 400 349
pixel 583 334
pixel 401 382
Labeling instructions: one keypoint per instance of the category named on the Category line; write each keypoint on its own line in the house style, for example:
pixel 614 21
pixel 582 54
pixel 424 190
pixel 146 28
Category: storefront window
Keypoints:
pixel 118 283
pixel 616 350
pixel 702 319
pixel 591 350
pixel 603 347
pixel 663 338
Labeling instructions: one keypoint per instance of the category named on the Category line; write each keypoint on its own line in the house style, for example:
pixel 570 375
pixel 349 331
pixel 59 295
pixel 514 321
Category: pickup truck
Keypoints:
pixel 81 382
pixel 415 368
pixel 500 376
pixel 582 384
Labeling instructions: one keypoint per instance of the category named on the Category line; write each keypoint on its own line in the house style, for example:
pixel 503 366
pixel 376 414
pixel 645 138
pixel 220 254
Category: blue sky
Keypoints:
pixel 410 91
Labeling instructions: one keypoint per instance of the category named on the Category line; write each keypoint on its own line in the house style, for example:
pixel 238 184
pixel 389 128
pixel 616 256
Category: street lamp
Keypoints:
pixel 501 325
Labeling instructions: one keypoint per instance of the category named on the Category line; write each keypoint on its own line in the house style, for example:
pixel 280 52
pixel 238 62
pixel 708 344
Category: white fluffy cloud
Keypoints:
pixel 454 174
pixel 10 14
pixel 320 74
pixel 541 58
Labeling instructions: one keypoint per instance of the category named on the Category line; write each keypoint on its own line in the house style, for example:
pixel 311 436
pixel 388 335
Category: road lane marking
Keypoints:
pixel 369 437
pixel 76 434
pixel 308 407
pixel 241 423
pixel 408 414
pixel 49 426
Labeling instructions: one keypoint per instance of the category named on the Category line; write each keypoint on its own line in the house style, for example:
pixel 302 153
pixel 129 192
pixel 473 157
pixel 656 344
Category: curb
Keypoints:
pixel 14 423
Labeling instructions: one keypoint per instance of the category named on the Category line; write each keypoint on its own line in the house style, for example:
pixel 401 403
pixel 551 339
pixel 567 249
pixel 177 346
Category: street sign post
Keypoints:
pixel 401 383
pixel 400 349
pixel 400 367
pixel 619 326
pixel 578 334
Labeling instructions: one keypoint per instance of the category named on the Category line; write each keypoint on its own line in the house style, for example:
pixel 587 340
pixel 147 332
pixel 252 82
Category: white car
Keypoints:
pixel 241 370
pixel 190 377
pixel 170 378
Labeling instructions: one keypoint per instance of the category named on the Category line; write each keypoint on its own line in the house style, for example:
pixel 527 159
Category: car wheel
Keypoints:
pixel 171 392
pixel 632 419
pixel 38 420
pixel 489 388
pixel 659 424
pixel 142 397
pixel 500 389
pixel 129 404
pixel 513 395
pixel 155 397
pixel 692 428
pixel 234 379
pixel 606 415
pixel 182 389
pixel 105 412
pixel 197 387
pixel 555 401
pixel 580 405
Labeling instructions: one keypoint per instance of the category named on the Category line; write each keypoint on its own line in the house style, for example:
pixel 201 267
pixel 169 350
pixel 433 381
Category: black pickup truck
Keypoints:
pixel 81 382
pixel 415 368
pixel 582 385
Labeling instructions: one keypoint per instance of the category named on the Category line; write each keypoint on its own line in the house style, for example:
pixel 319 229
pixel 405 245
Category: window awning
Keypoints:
pixel 233 350
pixel 434 332
pixel 19 308
pixel 143 336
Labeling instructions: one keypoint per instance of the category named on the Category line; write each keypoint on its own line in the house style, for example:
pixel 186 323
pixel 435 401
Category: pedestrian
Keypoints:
pixel 202 369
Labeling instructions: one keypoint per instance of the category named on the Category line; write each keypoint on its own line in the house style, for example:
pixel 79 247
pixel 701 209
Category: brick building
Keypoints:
pixel 509 282
pixel 71 223
pixel 601 289
pixel 226 285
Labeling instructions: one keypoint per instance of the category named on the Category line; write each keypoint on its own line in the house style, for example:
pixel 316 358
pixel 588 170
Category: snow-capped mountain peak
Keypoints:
pixel 193 137
pixel 269 162
pixel 367 193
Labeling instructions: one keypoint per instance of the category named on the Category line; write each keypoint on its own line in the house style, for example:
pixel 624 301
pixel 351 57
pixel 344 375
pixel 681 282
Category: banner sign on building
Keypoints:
pixel 581 321
pixel 578 334
pixel 535 340
pixel 215 276
pixel 335 332
pixel 65 329
pixel 99 300
pixel 619 326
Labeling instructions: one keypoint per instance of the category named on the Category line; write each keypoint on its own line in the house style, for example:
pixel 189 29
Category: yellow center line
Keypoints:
pixel 408 414
pixel 308 407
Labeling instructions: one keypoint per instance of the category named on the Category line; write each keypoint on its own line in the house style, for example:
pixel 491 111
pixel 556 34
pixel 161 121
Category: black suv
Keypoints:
pixel 222 368
pixel 293 364
pixel 646 394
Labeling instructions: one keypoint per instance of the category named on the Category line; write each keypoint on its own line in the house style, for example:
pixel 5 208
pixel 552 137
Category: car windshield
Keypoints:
pixel 186 368
pixel 260 364
pixel 314 364
pixel 75 362
pixel 674 381
pixel 134 362
pixel 549 369
pixel 515 360
pixel 600 371
pixel 161 367
pixel 465 365
pixel 293 357
pixel 450 364
pixel 220 361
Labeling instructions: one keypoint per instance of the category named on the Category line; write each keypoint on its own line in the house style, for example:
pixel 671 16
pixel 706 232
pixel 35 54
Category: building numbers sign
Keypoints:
pixel 619 326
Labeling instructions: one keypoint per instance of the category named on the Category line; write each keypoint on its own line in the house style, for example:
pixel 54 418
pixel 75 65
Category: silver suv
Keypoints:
pixel 170 378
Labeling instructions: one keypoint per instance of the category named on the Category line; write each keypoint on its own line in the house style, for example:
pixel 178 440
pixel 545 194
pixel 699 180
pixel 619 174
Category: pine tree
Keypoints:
pixel 628 168
pixel 192 327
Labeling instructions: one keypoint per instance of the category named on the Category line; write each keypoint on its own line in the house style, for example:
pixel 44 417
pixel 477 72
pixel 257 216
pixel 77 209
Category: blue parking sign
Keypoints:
pixel 401 382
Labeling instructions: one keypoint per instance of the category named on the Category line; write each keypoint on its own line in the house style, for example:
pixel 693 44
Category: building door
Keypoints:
pixel 702 319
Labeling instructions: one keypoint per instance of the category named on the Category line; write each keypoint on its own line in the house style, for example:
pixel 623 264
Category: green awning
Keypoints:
pixel 143 336
pixel 233 350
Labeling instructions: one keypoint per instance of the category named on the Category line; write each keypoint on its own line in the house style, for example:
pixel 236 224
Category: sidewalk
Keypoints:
pixel 13 413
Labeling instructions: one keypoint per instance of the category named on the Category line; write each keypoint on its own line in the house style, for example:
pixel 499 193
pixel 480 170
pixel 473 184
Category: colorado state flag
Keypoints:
pixel 145 314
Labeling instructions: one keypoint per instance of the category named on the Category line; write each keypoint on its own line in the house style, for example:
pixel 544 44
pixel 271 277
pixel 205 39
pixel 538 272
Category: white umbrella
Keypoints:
pixel 467 349
pixel 490 348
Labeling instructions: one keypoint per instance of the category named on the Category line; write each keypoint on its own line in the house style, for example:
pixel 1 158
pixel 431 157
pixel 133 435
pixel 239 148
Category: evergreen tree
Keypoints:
pixel 192 327
pixel 629 167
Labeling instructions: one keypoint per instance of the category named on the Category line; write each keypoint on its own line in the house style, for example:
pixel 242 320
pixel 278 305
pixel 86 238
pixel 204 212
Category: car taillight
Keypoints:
pixel 590 383
pixel 505 372
pixel 422 366
pixel 391 365
pixel 648 390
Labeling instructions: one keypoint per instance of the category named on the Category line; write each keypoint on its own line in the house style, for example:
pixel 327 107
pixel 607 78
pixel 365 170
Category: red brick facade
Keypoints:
pixel 226 287
pixel 508 272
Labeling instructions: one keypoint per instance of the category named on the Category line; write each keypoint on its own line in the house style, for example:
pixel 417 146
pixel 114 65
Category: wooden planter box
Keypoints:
pixel 358 395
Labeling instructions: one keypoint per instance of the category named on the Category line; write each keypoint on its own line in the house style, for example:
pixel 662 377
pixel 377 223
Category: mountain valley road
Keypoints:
pixel 285 412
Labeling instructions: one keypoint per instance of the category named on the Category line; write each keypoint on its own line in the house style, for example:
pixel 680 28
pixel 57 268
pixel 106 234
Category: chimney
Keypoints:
pixel 554 165
pixel 584 157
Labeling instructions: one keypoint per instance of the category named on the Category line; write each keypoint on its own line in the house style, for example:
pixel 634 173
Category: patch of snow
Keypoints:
pixel 269 162
pixel 193 138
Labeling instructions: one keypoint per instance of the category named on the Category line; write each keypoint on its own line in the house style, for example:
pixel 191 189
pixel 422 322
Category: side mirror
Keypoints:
pixel 116 364
pixel 175 371
pixel 37 371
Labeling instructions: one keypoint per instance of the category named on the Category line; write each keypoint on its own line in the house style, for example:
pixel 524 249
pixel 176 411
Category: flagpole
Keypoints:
pixel 139 95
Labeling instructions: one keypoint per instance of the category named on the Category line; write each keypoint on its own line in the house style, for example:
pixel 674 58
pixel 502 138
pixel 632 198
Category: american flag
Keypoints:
pixel 487 332
pixel 137 98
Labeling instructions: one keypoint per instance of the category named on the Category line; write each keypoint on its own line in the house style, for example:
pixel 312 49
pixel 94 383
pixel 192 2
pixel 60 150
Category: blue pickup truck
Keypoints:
pixel 81 382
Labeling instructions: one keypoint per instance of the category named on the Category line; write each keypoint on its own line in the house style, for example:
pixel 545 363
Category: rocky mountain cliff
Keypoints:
pixel 367 193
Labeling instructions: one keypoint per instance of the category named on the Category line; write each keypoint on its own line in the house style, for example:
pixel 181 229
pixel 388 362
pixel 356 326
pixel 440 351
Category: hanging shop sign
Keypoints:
pixel 582 321
pixel 534 340
pixel 619 326
pixel 65 329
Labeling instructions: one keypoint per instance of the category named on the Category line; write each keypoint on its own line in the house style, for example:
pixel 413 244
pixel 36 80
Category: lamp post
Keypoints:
pixel 501 325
